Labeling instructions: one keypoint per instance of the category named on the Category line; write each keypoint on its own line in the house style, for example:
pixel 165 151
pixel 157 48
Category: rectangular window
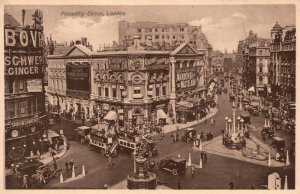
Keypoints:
pixel 164 90
pixel 121 92
pixel 156 36
pixel 21 85
pixel 114 92
pixel 260 69
pixel 22 107
pixel 173 37
pixel 155 29
pixel 181 29
pixel 139 30
pixel 99 91
pixel 136 91
pixel 157 91
pixel 106 92
pixel 162 37
pixel 168 37
pixel 163 30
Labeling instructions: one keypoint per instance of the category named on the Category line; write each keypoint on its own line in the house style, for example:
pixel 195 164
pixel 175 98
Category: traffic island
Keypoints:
pixel 216 147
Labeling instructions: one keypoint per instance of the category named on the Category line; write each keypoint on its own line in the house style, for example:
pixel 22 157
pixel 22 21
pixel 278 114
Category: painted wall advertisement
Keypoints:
pixel 34 85
pixel 78 80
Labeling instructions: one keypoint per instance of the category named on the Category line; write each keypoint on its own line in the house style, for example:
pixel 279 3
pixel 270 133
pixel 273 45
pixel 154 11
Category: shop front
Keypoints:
pixel 24 136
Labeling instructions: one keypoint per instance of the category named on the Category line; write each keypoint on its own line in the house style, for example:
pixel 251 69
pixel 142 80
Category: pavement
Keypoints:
pixel 216 147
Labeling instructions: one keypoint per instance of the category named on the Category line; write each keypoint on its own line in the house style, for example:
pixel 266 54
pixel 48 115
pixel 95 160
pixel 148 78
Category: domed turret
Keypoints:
pixel 276 28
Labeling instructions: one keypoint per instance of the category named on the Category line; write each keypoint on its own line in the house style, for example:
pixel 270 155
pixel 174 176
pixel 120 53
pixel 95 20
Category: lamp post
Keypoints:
pixel 226 124
pixel 98 118
pixel 238 122
pixel 134 162
pixel 229 125
pixel 242 124
pixel 233 116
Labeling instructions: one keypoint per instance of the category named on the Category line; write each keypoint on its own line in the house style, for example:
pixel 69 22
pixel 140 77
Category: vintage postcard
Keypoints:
pixel 161 96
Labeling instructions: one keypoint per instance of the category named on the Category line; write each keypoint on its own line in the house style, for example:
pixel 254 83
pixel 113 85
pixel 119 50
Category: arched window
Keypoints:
pixel 113 78
pixel 121 78
pixel 105 77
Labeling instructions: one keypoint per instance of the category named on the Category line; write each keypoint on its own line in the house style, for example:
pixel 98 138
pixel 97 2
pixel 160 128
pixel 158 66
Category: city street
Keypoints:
pixel 217 167
pixel 136 100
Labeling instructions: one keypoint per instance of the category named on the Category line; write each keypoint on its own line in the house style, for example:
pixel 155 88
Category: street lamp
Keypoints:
pixel 229 125
pixel 242 124
pixel 98 111
pixel 226 124
pixel 238 122
pixel 233 116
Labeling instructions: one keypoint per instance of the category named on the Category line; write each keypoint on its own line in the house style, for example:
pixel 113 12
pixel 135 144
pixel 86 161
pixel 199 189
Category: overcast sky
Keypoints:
pixel 222 24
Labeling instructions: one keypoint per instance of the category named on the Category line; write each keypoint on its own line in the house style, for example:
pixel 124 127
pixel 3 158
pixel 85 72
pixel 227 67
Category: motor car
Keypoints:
pixel 276 124
pixel 173 164
pixel 189 134
pixel 254 112
pixel 82 133
pixel 246 117
pixel 277 143
pixel 29 167
pixel 266 132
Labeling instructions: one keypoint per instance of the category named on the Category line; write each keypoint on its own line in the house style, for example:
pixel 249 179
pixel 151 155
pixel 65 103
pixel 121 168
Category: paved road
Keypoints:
pixel 216 173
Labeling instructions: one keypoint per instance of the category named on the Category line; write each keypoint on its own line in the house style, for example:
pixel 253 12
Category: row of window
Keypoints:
pixel 166 37
pixel 15 86
pixel 56 65
pixel 137 92
pixel 18 108
pixel 58 84
pixel 185 76
pixel 139 30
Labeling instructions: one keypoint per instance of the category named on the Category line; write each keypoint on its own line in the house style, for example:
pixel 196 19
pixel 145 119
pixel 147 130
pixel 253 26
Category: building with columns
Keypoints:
pixel 283 63
pixel 135 88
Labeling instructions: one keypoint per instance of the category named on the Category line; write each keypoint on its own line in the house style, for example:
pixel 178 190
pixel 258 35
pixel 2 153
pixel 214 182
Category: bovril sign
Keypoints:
pixel 24 48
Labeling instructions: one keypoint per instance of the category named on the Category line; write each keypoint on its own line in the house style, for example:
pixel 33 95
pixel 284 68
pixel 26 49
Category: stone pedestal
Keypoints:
pixel 141 178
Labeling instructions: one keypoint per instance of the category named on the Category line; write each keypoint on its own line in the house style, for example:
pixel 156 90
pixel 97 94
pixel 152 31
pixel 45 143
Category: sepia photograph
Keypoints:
pixel 191 97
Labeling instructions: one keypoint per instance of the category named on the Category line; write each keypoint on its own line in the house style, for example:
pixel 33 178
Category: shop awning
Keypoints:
pixel 100 127
pixel 161 114
pixel 251 89
pixel 185 104
pixel 111 115
pixel 52 134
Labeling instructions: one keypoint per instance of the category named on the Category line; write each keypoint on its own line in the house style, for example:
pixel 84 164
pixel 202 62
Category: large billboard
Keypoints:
pixel 78 79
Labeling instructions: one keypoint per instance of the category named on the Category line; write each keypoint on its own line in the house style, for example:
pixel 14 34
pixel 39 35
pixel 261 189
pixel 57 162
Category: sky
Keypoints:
pixel 224 25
